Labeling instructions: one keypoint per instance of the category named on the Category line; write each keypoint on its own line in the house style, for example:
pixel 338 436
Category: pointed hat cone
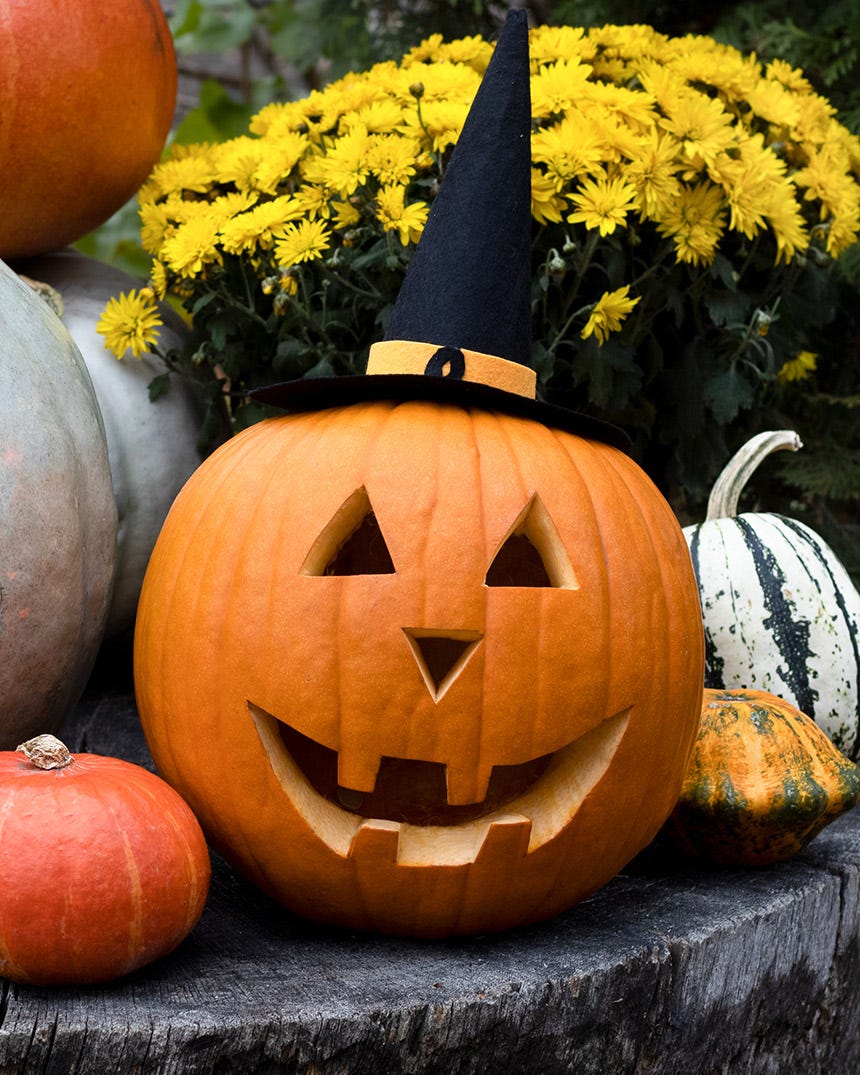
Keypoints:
pixel 469 281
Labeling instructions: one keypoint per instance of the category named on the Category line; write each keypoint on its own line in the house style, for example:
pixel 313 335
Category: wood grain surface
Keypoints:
pixel 665 970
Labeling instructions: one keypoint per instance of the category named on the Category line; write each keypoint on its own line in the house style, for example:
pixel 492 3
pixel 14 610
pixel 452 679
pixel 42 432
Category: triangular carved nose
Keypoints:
pixel 441 655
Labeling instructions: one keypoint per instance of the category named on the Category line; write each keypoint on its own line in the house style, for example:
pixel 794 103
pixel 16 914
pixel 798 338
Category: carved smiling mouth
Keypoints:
pixel 406 818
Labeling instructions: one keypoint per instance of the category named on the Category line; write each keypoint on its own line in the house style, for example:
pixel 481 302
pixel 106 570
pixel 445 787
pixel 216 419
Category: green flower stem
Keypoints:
pixel 581 270
pixel 249 311
pixel 366 293
pixel 561 335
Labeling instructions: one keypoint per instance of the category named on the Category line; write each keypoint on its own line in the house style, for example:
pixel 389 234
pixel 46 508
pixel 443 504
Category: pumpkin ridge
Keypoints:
pixel 506 432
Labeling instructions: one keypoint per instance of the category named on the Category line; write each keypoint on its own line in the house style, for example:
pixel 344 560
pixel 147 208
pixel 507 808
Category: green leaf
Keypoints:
pixel 184 20
pixel 727 307
pixel 247 414
pixel 833 474
pixel 727 393
pixel 722 269
pixel 213 25
pixel 322 368
pixel 217 117
pixel 159 386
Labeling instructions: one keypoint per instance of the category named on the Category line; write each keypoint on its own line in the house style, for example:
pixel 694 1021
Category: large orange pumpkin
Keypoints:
pixel 87 94
pixel 420 668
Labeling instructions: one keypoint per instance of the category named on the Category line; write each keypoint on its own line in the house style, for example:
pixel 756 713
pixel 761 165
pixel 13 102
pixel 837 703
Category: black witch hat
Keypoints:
pixel 460 331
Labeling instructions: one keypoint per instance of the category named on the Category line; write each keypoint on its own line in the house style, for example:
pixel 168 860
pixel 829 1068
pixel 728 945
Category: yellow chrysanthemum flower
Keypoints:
pixel 255 229
pixel 305 241
pixel 700 124
pixel 608 314
pixel 158 278
pixel 548 205
pixel 653 173
pixel 437 124
pixel 556 87
pixel 393 158
pixel 569 149
pixel 798 368
pixel 787 223
pixel 157 221
pixel 130 322
pixel 632 108
pixel 381 116
pixel 824 181
pixel 473 51
pixel 192 245
pixel 661 83
pixel 813 119
pixel 394 215
pixel 789 76
pixel 444 81
pixel 346 215
pixel 773 102
pixel 548 44
pixel 843 227
pixel 237 161
pixel 752 180
pixel 176 175
pixel 701 60
pixel 344 166
pixel 428 50
pixel 603 203
pixel 695 222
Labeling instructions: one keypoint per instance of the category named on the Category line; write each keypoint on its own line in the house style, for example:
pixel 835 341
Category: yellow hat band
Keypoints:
pixel 429 359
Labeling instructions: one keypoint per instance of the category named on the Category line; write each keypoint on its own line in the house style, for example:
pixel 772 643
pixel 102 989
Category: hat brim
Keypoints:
pixel 321 393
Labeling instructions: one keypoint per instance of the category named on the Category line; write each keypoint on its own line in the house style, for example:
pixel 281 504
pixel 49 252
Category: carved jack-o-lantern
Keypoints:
pixel 429 662
pixel 426 670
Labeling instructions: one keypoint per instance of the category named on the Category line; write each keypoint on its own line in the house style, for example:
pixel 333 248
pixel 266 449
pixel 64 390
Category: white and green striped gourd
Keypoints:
pixel 779 609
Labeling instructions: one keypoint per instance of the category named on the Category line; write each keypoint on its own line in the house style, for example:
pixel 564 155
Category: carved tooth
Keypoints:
pixel 357 771
pixel 507 838
pixel 466 784
pixel 375 839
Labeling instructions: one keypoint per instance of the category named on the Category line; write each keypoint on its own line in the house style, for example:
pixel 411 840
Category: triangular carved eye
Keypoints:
pixel 532 553
pixel 352 543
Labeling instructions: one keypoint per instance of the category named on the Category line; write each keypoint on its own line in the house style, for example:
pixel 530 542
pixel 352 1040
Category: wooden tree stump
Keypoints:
pixel 663 971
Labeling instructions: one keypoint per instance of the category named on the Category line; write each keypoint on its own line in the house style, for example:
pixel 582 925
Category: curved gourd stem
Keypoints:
pixel 723 501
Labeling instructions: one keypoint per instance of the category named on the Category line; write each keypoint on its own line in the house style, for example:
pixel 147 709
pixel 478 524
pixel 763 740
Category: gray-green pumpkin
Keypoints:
pixel 57 517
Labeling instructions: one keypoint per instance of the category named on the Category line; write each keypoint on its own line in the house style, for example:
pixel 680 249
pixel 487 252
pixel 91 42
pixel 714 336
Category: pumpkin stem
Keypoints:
pixel 723 501
pixel 46 752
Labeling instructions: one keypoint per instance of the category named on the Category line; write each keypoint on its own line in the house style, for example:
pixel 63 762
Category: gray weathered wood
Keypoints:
pixel 663 971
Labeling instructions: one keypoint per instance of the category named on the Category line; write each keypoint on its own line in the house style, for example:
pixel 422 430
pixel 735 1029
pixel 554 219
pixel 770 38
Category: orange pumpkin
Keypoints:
pixel 419 668
pixel 87 94
pixel 104 867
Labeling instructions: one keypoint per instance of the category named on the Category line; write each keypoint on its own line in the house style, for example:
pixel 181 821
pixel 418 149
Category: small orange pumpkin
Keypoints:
pixel 419 668
pixel 87 94
pixel 104 867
